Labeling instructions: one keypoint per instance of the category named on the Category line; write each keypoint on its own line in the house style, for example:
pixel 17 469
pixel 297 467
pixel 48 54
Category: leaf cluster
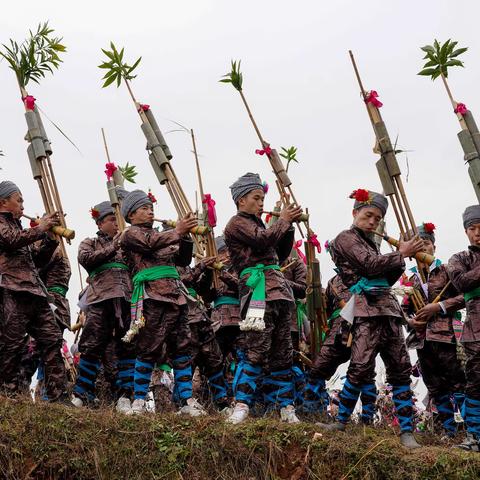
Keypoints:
pixel 128 172
pixel 289 154
pixel 235 77
pixel 117 68
pixel 439 57
pixel 36 56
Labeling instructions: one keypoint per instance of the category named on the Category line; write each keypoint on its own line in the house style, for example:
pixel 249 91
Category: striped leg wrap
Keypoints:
pixel 348 399
pixel 299 380
pixel 245 381
pixel 446 413
pixel 402 398
pixel 315 396
pixel 280 388
pixel 182 373
pixel 141 378
pixel 218 387
pixel 126 373
pixel 87 375
pixel 472 414
pixel 368 397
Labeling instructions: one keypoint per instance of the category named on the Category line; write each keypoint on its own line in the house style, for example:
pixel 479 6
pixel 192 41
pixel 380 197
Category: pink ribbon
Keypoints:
pixel 461 108
pixel 110 170
pixel 211 212
pixel 29 102
pixel 300 254
pixel 151 196
pixel 313 240
pixel 373 99
pixel 144 107
pixel 267 150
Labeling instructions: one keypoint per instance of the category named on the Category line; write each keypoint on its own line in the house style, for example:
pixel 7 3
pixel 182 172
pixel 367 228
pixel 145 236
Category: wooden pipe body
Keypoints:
pixel 58 230
pixel 421 257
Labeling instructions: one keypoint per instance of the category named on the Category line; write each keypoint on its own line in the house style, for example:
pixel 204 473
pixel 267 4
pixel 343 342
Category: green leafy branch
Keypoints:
pixel 36 56
pixel 117 68
pixel 439 57
pixel 235 77
pixel 128 172
pixel 289 154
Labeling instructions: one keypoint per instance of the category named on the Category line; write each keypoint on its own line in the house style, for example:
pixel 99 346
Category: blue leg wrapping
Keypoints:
pixel 446 413
pixel 182 373
pixel 299 379
pixel 245 381
pixel 126 374
pixel 314 397
pixel 402 398
pixel 281 389
pixel 141 379
pixel 368 396
pixel 472 413
pixel 217 386
pixel 87 376
pixel 348 399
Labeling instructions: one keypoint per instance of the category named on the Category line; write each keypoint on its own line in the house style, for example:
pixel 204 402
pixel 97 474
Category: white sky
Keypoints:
pixel 297 78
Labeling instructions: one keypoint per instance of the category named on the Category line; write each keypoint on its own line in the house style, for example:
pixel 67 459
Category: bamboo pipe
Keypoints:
pixel 198 230
pixel 421 257
pixel 216 266
pixel 304 217
pixel 60 231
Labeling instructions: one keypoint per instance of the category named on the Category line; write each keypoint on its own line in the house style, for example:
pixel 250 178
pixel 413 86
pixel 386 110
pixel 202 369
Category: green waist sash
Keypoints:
pixel 475 293
pixel 301 313
pixel 107 266
pixel 372 286
pixel 193 293
pixel 225 300
pixel 334 315
pixel 149 275
pixel 256 281
pixel 61 290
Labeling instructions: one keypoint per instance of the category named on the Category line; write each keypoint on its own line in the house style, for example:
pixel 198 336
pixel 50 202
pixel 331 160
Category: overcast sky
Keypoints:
pixel 297 78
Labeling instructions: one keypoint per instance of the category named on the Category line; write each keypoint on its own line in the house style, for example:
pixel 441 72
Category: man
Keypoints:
pixel 266 299
pixel 336 349
pixel 108 309
pixel 436 344
pixel 374 310
pixel 24 307
pixel 464 272
pixel 159 305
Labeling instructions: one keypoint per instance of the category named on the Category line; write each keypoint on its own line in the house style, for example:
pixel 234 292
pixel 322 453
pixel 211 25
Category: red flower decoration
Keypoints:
pixel 94 213
pixel 373 99
pixel 33 223
pixel 361 195
pixel 151 196
pixel 265 187
pixel 267 150
pixel 144 107
pixel 326 245
pixel 110 170
pixel 461 108
pixel 405 281
pixel 29 102
pixel 429 227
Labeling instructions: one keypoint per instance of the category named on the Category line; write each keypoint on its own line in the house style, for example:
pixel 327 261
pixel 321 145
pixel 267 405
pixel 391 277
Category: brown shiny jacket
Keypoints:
pixel 112 283
pixel 250 243
pixel 336 295
pixel 225 315
pixel 145 247
pixel 198 279
pixel 356 256
pixel 18 260
pixel 464 272
pixel 296 277
pixel 439 327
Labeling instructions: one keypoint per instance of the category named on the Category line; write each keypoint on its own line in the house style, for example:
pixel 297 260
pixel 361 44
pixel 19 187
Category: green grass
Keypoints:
pixel 48 441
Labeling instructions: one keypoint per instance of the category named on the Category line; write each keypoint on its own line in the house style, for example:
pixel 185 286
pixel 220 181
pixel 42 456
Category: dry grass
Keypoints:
pixel 48 441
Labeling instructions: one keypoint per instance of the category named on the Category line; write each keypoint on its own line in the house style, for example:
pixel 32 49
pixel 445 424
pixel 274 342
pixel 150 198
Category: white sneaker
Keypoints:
pixel 77 402
pixel 138 407
pixel 288 415
pixel 226 412
pixel 192 408
pixel 240 414
pixel 123 405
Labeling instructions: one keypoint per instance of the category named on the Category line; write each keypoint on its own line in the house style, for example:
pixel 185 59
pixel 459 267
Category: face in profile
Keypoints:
pixel 252 202
pixel 367 218
pixel 13 204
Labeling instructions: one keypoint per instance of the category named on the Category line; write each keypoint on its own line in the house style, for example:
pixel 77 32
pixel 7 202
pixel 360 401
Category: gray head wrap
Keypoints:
pixel 133 201
pixel 101 210
pixel 245 184
pixel 7 188
pixel 220 243
pixel 471 215
pixel 374 200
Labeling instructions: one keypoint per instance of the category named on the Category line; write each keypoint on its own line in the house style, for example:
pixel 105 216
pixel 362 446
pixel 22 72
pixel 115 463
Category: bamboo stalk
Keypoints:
pixel 460 118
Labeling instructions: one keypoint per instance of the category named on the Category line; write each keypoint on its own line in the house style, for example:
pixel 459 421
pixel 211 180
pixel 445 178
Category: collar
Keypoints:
pixel 365 237
pixel 432 267
pixel 251 216
pixel 474 248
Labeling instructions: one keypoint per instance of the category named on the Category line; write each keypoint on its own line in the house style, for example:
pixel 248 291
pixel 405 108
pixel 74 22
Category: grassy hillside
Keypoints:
pixel 47 441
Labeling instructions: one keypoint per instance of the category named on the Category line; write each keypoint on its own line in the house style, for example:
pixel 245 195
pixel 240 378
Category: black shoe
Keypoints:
pixel 470 444
pixel 408 440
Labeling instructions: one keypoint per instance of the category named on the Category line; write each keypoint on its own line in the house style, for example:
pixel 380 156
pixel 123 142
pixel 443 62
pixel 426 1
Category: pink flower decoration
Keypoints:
pixel 312 239
pixel 110 170
pixel 211 212
pixel 265 187
pixel 267 150
pixel 144 107
pixel 29 102
pixel 461 108
pixel 373 99
pixel 151 196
